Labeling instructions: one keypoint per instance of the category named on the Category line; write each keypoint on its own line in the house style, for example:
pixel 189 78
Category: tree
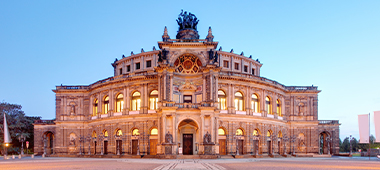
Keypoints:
pixel 18 124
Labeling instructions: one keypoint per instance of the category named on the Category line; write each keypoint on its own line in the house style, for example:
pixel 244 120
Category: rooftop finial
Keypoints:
pixel 132 53
pixel 242 53
pixel 142 50
pixel 154 48
pixel 232 50
pixel 166 36
pixel 187 26
pixel 210 37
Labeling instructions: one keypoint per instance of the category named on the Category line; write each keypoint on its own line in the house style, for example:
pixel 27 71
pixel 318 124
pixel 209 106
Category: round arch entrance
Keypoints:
pixel 188 135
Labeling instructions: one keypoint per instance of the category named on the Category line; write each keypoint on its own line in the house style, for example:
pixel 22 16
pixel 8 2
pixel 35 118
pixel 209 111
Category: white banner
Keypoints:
pixel 376 121
pixel 363 128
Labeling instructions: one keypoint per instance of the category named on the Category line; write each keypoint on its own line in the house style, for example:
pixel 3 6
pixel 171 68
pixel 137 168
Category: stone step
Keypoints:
pixel 226 157
pixel 187 156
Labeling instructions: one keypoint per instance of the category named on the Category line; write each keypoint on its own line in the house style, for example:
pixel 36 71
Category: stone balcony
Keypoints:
pixel 328 122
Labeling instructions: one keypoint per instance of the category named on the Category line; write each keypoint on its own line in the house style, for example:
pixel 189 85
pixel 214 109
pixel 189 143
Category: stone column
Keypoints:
pixel 204 88
pixel 100 104
pixel 171 87
pixel 212 129
pixel 217 130
pixel 125 101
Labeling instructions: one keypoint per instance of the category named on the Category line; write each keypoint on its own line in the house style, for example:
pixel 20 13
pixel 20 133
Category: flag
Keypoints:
pixel 7 136
pixel 376 121
pixel 363 128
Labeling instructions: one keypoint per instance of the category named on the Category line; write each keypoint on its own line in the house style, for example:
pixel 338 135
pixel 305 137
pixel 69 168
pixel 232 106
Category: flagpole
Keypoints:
pixel 369 137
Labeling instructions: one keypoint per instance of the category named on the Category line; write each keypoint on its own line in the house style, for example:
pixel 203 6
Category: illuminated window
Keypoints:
pixel 153 99
pixel 239 132
pixel 255 103
pixel 119 103
pixel 105 133
pixel 154 131
pixel 221 100
pixel 119 133
pixel 279 134
pixel 136 101
pixel 255 132
pixel 95 108
pixel 135 132
pixel 239 102
pixel 268 105
pixel 94 134
pixel 106 105
pixel 278 102
pixel 221 132
pixel 269 133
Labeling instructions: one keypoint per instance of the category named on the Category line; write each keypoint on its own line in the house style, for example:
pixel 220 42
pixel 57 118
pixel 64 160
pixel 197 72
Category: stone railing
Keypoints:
pixel 328 122
pixel 187 105
pixel 81 87
pixel 250 76
pixel 44 122
pixel 301 87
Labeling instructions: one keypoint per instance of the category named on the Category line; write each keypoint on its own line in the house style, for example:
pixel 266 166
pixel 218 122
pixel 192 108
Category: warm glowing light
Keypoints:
pixel 7 144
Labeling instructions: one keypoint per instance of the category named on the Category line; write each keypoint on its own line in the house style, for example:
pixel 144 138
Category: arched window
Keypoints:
pixel 119 102
pixel 119 133
pixel 135 132
pixel 106 105
pixel 221 100
pixel 278 102
pixel 255 132
pixel 239 102
pixel 94 134
pixel 221 132
pixel 154 131
pixel 279 134
pixel 269 133
pixel 95 108
pixel 255 103
pixel 239 132
pixel 153 99
pixel 268 105
pixel 136 101
pixel 105 133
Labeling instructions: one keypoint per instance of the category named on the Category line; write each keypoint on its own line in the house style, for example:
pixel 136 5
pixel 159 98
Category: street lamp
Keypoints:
pixel 89 144
pixel 293 140
pixel 350 144
pixel 285 139
pixel 22 138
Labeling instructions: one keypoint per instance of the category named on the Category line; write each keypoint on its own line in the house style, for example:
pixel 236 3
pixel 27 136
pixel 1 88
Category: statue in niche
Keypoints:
pixel 216 57
pixel 207 138
pixel 168 138
pixel 72 111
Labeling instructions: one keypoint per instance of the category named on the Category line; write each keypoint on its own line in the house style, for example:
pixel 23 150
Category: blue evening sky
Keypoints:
pixel 334 45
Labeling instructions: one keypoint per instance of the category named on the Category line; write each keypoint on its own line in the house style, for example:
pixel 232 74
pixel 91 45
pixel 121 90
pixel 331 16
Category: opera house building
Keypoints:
pixel 187 97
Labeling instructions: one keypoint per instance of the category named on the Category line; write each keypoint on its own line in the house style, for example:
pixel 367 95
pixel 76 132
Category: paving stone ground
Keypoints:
pixel 190 164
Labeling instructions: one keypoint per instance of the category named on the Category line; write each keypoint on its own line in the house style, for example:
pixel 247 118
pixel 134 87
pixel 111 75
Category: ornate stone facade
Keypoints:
pixel 207 101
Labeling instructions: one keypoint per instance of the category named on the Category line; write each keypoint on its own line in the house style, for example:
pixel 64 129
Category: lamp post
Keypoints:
pixel 256 136
pixel 89 144
pixel 117 144
pixel 22 138
pixel 101 144
pixel 81 139
pixel 94 139
pixel 293 140
pixel 285 139
pixel 350 144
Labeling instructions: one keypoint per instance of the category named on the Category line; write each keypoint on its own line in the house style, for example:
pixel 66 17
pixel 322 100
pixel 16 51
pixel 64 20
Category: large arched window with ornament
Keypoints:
pixel 188 64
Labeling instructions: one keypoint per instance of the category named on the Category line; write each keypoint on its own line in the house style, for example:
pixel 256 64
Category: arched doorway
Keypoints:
pixel 222 141
pixel 323 143
pixel 188 136
pixel 153 140
pixel 49 142
pixel 269 142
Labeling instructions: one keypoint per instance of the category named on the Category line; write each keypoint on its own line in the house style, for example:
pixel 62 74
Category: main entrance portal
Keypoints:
pixel 187 144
